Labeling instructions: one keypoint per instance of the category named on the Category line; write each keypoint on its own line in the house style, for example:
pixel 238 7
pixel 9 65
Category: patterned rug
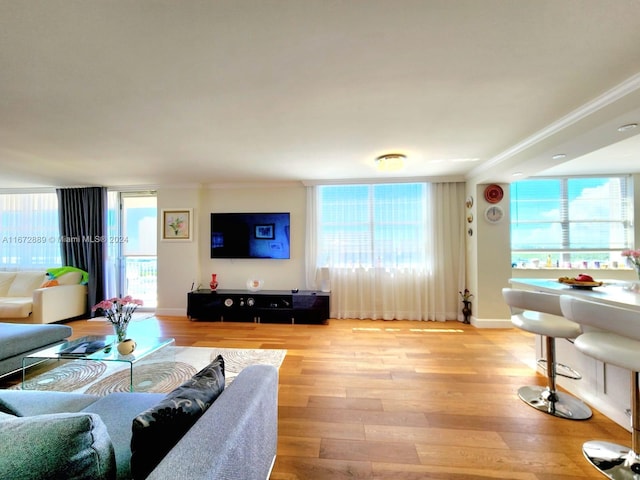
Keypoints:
pixel 161 372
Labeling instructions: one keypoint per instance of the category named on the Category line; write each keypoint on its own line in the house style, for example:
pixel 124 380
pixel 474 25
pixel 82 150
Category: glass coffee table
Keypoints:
pixel 98 348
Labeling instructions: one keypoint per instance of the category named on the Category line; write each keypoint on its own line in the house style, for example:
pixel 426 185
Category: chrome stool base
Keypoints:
pixel 612 460
pixel 564 406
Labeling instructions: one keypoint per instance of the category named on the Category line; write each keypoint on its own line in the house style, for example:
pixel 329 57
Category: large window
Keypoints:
pixel 571 222
pixel 29 231
pixel 381 225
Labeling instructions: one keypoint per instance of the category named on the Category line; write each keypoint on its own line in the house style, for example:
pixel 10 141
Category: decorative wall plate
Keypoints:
pixel 493 193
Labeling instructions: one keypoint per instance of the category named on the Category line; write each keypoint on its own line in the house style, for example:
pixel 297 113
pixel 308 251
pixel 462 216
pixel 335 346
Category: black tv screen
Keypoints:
pixel 250 235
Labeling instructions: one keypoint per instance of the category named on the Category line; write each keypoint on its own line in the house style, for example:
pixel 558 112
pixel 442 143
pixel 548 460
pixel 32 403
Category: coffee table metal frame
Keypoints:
pixel 145 346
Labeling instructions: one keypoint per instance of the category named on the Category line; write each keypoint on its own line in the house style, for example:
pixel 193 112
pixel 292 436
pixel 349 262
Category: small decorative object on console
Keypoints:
pixel 214 281
pixel 254 285
pixel 118 312
pixel 126 346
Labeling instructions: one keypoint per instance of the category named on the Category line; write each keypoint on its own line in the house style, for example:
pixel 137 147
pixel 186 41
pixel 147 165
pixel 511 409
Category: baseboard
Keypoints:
pixel 171 312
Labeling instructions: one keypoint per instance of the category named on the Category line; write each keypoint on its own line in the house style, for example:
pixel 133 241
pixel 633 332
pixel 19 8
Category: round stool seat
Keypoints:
pixel 540 313
pixel 610 348
pixel 545 324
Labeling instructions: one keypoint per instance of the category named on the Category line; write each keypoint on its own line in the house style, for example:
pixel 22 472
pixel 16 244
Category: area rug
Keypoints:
pixel 161 372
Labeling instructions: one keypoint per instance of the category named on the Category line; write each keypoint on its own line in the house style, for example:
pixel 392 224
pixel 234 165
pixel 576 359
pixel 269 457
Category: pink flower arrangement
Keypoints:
pixel 633 258
pixel 118 310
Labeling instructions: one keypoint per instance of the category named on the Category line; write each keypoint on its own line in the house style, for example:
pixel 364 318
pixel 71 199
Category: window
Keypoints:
pixel 30 235
pixel 571 222
pixel 382 225
pixel 132 254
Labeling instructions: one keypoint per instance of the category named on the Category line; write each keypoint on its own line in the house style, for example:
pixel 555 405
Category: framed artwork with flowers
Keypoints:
pixel 177 224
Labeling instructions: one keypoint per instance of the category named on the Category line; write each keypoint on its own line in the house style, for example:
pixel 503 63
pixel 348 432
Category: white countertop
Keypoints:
pixel 612 292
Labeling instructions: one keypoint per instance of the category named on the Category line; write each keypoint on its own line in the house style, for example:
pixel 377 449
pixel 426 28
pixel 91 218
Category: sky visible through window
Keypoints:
pixel 571 219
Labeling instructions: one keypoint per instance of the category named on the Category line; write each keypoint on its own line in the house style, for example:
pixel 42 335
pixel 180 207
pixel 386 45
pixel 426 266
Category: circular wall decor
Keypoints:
pixel 493 193
pixel 494 214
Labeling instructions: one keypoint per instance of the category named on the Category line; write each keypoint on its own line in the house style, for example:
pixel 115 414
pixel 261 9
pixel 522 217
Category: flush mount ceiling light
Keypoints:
pixel 559 156
pixel 627 127
pixel 390 162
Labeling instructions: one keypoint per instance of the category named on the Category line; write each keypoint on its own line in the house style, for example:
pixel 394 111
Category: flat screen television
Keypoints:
pixel 250 235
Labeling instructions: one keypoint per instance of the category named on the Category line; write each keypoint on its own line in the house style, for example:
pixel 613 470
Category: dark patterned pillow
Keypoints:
pixel 158 429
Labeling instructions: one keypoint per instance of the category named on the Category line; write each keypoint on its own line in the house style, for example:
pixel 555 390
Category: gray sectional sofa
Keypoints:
pixel 18 340
pixel 235 438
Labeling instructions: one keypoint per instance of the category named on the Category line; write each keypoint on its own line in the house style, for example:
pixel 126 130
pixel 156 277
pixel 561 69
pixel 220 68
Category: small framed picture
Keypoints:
pixel 177 224
pixel 265 232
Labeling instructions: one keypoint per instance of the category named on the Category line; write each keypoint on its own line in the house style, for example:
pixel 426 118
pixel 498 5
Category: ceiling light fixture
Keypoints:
pixel 390 162
pixel 559 156
pixel 627 127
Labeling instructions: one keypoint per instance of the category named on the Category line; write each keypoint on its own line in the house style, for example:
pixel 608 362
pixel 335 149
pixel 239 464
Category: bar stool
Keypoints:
pixel 540 313
pixel 614 340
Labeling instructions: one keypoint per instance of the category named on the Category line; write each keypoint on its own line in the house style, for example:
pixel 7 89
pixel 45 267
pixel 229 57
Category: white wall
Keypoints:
pixel 178 262
pixel 181 264
pixel 234 273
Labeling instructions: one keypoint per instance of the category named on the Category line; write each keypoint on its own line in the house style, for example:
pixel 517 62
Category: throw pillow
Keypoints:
pixel 60 445
pixel 156 430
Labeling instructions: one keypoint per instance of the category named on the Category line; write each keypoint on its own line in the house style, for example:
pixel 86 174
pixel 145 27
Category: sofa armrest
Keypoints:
pixel 53 304
pixel 235 438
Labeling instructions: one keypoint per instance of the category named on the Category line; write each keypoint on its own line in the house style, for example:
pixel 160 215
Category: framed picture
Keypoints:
pixel 266 231
pixel 177 224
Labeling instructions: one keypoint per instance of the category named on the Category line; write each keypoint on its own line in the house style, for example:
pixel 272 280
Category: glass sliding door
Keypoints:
pixel 132 249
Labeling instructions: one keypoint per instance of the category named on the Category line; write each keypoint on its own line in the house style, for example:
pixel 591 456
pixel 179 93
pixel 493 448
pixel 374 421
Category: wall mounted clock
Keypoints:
pixel 493 193
pixel 494 214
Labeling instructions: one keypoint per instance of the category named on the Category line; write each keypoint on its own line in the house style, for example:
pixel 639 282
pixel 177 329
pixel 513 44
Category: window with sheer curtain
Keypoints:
pixel 389 250
pixel 373 226
pixel 30 235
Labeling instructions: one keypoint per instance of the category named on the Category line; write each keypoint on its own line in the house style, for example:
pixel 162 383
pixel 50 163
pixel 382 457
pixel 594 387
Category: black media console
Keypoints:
pixel 264 306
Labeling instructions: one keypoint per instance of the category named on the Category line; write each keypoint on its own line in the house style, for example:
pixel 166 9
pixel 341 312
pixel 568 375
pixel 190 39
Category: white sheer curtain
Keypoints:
pixel 29 231
pixel 422 284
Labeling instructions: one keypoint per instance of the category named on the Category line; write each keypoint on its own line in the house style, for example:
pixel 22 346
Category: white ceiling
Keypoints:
pixel 177 92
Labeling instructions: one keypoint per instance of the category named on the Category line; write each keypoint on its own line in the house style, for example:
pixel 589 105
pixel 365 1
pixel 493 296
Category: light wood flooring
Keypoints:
pixel 402 400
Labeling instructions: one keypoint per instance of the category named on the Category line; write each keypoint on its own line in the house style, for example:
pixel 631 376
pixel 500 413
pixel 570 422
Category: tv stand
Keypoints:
pixel 264 306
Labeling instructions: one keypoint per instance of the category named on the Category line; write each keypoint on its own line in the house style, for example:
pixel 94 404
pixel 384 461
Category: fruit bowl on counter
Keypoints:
pixel 580 281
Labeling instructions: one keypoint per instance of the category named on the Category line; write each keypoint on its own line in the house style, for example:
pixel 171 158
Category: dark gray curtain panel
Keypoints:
pixel 83 221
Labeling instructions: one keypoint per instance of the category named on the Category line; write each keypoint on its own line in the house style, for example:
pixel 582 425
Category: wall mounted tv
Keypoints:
pixel 250 235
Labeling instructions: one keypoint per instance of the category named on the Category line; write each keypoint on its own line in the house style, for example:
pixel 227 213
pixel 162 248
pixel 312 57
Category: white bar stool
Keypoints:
pixel 540 313
pixel 614 340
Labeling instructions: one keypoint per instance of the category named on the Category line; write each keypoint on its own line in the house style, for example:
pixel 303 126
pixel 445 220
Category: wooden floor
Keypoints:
pixel 403 400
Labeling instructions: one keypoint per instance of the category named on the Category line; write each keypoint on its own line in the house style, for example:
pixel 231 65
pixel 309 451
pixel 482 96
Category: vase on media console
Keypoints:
pixel 214 281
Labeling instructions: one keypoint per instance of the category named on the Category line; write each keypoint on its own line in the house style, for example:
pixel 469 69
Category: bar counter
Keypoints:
pixel 612 292
pixel 604 387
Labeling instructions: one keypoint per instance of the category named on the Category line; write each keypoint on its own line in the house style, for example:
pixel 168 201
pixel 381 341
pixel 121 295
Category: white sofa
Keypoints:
pixel 24 300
